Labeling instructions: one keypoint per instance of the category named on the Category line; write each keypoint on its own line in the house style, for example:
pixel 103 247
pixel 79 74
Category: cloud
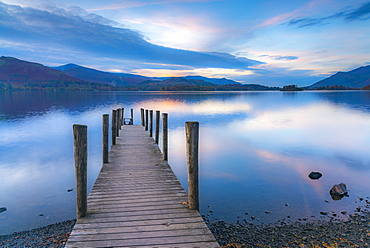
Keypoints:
pixel 360 13
pixel 279 57
pixel 205 72
pixel 141 3
pixel 307 22
pixel 76 31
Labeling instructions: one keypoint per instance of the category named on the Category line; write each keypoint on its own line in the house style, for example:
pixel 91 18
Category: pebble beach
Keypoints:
pixel 352 232
pixel 55 235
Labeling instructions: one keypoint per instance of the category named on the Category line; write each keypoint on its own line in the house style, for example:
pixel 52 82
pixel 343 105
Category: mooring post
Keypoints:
pixel 132 117
pixel 105 137
pixel 150 123
pixel 146 119
pixel 120 118
pixel 117 121
pixel 123 116
pixel 165 136
pixel 157 116
pixel 114 126
pixel 192 146
pixel 80 156
pixel 142 117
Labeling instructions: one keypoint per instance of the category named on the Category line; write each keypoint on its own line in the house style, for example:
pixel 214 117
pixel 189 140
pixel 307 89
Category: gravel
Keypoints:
pixel 353 232
pixel 55 235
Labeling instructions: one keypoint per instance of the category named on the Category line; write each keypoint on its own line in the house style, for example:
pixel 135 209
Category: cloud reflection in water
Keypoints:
pixel 264 160
pixel 256 150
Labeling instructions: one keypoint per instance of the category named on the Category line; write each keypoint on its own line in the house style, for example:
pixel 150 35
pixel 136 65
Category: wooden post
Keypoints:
pixel 114 126
pixel 146 120
pixel 165 136
pixel 132 117
pixel 123 116
pixel 192 146
pixel 150 123
pixel 80 156
pixel 120 118
pixel 117 121
pixel 142 117
pixel 157 116
pixel 105 137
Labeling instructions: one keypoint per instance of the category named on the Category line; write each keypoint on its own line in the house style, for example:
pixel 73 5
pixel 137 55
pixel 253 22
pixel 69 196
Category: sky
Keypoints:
pixel 268 42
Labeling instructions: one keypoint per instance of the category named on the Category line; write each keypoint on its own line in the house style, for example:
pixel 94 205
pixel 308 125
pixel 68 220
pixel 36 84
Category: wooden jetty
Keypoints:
pixel 137 201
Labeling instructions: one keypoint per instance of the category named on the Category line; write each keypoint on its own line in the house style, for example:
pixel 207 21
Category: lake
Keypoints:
pixel 256 151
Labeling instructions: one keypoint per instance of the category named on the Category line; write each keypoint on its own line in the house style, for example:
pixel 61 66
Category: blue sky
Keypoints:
pixel 267 42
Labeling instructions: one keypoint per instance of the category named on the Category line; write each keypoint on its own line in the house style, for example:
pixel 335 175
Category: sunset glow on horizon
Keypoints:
pixel 269 42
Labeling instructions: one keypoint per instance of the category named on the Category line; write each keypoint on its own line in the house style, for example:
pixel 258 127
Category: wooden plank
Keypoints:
pixel 137 213
pixel 110 208
pixel 141 235
pixel 156 241
pixel 88 219
pixel 138 223
pixel 139 229
pixel 186 245
pixel 148 200
pixel 137 201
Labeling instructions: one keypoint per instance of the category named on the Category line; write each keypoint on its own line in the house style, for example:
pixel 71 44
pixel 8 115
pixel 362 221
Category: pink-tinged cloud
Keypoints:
pixel 94 35
pixel 142 3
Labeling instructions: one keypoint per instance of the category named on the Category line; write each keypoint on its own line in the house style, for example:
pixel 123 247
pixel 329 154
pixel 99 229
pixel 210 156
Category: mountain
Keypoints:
pixel 66 67
pixel 219 81
pixel 176 81
pixel 123 79
pixel 356 78
pixel 92 75
pixel 185 84
pixel 15 71
pixel 18 74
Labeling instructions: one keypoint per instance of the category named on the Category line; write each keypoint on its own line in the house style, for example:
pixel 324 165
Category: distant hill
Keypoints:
pixel 356 78
pixel 122 79
pixel 185 84
pixel 219 81
pixel 18 74
pixel 92 75
pixel 15 71
pixel 176 81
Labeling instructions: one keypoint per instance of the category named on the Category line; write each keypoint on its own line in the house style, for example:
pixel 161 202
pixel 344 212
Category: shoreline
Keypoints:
pixel 54 235
pixel 352 232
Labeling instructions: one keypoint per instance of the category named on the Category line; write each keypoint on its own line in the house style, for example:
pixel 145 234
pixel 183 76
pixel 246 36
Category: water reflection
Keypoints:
pixel 257 150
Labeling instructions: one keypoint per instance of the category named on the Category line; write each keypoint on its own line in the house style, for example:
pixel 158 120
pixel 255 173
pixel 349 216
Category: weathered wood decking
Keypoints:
pixel 137 201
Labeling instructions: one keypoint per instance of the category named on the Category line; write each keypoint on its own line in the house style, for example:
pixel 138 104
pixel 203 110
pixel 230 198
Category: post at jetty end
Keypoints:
pixel 157 119
pixel 114 126
pixel 192 147
pixel 165 136
pixel 142 117
pixel 146 119
pixel 80 156
pixel 105 137
pixel 150 123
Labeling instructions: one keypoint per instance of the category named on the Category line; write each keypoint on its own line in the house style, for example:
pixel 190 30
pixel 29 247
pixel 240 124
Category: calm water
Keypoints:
pixel 256 151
